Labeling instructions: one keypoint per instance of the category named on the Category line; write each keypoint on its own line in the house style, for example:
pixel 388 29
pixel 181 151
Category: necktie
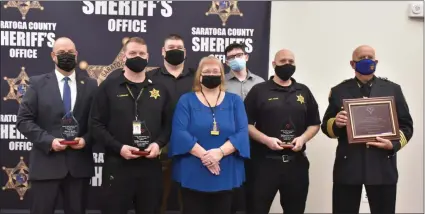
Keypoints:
pixel 66 95
pixel 365 90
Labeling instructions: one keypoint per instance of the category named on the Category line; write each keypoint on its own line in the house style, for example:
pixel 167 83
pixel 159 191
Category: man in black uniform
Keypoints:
pixel 283 116
pixel 130 113
pixel 178 80
pixel 372 164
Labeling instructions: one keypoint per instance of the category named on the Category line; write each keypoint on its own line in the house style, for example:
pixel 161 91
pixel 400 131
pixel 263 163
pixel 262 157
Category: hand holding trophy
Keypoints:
pixel 141 138
pixel 287 134
pixel 69 129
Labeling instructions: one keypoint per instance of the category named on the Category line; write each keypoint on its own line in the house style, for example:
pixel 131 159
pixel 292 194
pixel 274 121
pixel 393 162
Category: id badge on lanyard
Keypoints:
pixel 141 134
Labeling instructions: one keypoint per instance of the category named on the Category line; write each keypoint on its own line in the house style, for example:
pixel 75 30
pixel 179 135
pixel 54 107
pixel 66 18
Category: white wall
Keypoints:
pixel 323 36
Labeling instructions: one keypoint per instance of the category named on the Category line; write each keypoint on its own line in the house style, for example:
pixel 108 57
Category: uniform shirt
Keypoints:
pixel 241 88
pixel 72 85
pixel 113 112
pixel 192 123
pixel 270 107
pixel 175 86
pixel 365 88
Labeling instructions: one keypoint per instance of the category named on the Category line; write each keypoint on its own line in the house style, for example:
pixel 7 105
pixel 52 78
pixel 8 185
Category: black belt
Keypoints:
pixel 286 158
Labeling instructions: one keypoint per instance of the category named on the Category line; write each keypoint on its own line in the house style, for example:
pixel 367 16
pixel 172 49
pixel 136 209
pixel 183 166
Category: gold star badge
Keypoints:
pixel 24 6
pixel 372 67
pixel 17 86
pixel 155 93
pixel 18 178
pixel 300 99
pixel 224 9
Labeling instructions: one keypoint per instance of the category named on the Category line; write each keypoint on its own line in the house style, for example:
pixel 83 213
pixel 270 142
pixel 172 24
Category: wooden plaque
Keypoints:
pixel 369 118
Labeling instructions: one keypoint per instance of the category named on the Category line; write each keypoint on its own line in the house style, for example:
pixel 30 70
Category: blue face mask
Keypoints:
pixel 237 64
pixel 365 66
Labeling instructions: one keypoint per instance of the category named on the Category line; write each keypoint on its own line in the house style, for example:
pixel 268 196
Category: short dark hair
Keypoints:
pixel 173 37
pixel 235 46
pixel 137 40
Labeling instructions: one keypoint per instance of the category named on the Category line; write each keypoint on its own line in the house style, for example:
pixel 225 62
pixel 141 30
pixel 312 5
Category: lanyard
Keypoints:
pixel 211 108
pixel 135 99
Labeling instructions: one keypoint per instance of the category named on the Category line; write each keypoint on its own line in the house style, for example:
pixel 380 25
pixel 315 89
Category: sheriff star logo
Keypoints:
pixel 300 99
pixel 154 93
pixel 24 6
pixel 224 9
pixel 100 72
pixel 18 178
pixel 17 86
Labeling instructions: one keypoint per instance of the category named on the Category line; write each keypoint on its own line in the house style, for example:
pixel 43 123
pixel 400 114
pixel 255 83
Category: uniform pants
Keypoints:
pixel 267 176
pixel 45 195
pixel 195 202
pixel 124 191
pixel 346 198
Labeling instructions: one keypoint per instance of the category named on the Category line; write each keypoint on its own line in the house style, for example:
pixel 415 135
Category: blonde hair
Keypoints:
pixel 136 39
pixel 204 61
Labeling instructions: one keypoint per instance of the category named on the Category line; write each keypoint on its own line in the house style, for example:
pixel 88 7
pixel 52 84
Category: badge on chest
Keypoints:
pixel 215 130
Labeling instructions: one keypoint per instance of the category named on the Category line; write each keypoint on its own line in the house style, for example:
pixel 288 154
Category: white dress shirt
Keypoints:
pixel 72 84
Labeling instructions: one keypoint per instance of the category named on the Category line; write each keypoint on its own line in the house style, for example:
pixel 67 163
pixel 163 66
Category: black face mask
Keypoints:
pixel 136 64
pixel 211 81
pixel 174 57
pixel 284 72
pixel 66 62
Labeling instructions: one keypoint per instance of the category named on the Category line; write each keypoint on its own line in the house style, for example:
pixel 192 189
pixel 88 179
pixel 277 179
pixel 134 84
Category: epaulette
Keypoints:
pixel 345 80
pixel 384 78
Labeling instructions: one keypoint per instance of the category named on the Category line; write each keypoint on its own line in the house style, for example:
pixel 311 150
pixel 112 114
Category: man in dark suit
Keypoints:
pixel 372 164
pixel 55 167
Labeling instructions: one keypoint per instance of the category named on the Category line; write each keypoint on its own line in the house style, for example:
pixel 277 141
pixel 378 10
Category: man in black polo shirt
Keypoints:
pixel 282 115
pixel 178 80
pixel 131 115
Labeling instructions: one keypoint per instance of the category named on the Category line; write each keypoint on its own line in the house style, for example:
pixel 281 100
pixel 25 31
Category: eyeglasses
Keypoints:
pixel 238 55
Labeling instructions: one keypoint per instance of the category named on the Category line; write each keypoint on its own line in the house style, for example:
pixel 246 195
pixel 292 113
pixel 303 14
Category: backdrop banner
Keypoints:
pixel 99 28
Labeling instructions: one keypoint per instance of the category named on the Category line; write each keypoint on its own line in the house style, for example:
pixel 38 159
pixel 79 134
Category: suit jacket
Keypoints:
pixel 358 163
pixel 39 119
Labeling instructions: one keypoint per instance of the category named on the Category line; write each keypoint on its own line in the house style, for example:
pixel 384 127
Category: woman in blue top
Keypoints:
pixel 209 142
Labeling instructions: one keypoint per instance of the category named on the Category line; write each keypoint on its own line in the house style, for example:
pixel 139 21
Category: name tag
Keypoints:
pixel 137 130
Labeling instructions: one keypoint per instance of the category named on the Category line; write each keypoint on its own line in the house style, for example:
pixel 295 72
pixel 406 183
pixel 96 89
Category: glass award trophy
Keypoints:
pixel 141 138
pixel 69 129
pixel 287 134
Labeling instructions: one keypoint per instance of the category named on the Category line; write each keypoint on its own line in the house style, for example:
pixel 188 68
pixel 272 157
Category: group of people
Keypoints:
pixel 222 132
